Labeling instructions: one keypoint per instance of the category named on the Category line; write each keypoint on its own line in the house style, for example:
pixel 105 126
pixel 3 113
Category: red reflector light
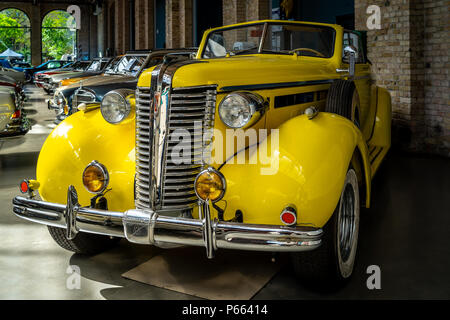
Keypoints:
pixel 16 114
pixel 289 216
pixel 24 186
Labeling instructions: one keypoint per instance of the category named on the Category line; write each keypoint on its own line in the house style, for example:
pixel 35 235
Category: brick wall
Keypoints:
pixel 410 58
pixel 144 21
pixel 435 54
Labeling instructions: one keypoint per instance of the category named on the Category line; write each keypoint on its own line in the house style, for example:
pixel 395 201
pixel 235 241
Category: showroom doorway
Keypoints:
pixel 206 14
pixel 160 24
pixel 326 11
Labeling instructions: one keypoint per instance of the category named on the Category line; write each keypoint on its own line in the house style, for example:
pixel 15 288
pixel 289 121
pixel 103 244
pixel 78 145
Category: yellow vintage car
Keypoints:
pixel 266 140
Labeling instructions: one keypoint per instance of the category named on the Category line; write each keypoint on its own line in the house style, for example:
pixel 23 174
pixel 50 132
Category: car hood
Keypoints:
pixel 60 76
pixel 253 70
pixel 81 74
pixel 100 85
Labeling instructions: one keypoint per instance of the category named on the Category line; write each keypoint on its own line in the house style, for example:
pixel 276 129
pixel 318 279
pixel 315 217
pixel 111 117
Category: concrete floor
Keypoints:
pixel 405 233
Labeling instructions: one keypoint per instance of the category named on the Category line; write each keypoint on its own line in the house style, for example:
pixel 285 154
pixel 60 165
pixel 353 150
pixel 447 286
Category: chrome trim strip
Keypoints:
pixel 276 85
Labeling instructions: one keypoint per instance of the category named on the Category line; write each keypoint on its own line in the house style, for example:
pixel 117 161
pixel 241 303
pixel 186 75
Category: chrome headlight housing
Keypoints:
pixel 116 105
pixel 241 109
pixel 59 99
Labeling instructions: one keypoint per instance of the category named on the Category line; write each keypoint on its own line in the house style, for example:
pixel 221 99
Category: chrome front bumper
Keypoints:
pixel 149 227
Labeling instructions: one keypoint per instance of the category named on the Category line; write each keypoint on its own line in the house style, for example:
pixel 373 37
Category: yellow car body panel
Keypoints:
pixel 306 173
pixel 73 144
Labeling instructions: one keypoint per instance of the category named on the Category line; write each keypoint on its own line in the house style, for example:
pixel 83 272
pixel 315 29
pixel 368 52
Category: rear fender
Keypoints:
pixel 310 161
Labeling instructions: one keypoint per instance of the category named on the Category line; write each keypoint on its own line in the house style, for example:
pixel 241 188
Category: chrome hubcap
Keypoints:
pixel 348 224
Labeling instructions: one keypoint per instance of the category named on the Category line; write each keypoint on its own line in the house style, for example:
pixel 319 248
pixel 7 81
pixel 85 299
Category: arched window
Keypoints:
pixel 15 32
pixel 59 36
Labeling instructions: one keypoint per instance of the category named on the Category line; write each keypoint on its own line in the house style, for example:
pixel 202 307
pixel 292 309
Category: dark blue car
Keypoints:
pixel 6 64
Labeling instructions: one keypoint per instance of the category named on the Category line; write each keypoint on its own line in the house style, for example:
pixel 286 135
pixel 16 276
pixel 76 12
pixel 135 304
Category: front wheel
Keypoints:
pixel 84 243
pixel 333 262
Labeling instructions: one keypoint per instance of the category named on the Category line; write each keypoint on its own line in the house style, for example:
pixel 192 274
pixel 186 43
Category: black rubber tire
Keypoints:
pixel 320 267
pixel 84 243
pixel 339 100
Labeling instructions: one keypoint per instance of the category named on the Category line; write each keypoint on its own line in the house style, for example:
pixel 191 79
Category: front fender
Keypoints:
pixel 310 163
pixel 73 144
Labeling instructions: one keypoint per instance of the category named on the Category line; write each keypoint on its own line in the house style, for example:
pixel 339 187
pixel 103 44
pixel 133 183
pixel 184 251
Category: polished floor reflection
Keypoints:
pixel 405 233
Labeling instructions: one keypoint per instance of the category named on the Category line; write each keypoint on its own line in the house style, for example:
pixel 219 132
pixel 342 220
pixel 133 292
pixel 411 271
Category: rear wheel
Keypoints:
pixel 333 262
pixel 85 243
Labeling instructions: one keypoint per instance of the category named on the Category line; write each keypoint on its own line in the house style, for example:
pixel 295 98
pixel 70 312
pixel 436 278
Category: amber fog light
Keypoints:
pixel 95 177
pixel 210 185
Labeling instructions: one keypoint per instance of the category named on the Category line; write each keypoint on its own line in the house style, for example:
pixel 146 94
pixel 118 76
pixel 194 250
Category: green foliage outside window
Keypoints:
pixel 15 32
pixel 57 38
pixel 58 33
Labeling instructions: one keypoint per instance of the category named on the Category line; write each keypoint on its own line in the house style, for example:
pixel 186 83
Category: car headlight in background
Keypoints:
pixel 59 99
pixel 241 109
pixel 116 105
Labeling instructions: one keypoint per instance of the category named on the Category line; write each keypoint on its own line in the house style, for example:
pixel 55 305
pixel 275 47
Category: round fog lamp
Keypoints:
pixel 95 177
pixel 210 185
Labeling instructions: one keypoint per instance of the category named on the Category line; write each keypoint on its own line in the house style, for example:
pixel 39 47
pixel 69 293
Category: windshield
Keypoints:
pixel 82 65
pixel 97 65
pixel 68 65
pixel 288 38
pixel 129 64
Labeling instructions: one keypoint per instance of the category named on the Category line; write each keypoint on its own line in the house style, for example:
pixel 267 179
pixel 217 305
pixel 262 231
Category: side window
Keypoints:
pixel 52 65
pixel 353 40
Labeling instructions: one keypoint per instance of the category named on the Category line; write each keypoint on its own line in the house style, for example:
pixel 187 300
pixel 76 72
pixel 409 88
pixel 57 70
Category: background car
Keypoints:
pixel 16 75
pixel 121 75
pixel 7 64
pixel 48 65
pixel 38 76
pixel 13 120
pixel 96 67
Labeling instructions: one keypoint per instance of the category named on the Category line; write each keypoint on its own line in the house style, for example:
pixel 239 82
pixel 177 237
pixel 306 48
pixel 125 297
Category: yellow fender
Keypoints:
pixel 312 158
pixel 73 144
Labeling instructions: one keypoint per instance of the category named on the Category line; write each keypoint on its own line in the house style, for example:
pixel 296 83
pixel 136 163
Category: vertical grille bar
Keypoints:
pixel 143 148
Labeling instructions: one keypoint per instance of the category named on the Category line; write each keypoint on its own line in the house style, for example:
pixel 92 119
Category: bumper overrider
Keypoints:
pixel 145 226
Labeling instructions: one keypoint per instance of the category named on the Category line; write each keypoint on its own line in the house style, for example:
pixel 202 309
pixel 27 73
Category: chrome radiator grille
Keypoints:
pixel 190 109
pixel 82 96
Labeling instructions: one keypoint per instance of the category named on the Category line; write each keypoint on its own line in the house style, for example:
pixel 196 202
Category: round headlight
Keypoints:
pixel 241 109
pixel 95 177
pixel 116 105
pixel 210 185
